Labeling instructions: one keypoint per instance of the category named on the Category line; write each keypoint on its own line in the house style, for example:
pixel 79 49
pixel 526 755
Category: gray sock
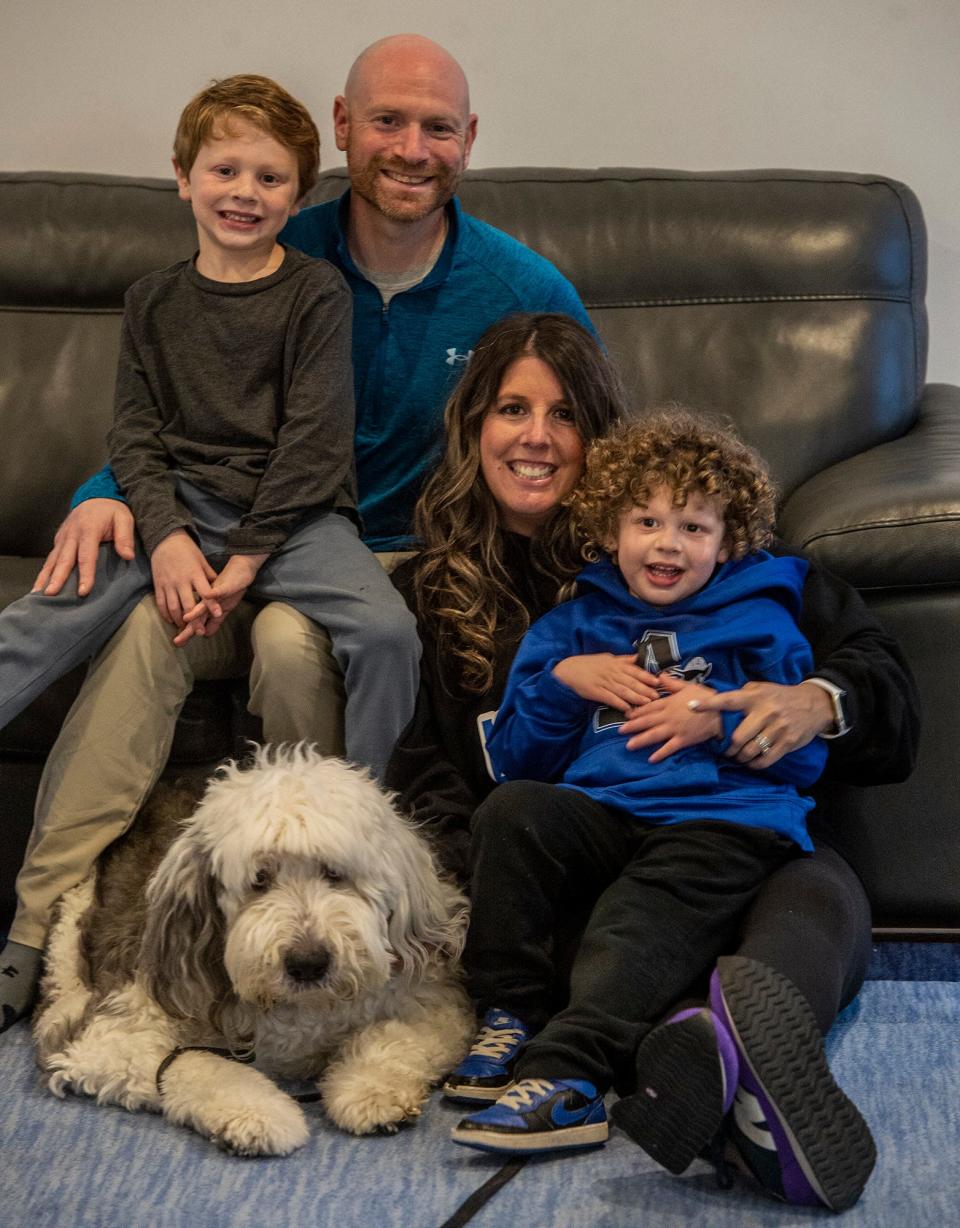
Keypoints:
pixel 19 976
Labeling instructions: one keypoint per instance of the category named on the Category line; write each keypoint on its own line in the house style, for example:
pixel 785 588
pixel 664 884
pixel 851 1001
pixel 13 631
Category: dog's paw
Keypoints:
pixel 62 1082
pixel 236 1106
pixel 67 1076
pixel 251 1132
pixel 56 1025
pixel 361 1105
pixel 105 1085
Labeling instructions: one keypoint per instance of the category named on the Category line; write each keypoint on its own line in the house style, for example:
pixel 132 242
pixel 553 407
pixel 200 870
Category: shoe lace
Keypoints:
pixel 715 1153
pixel 523 1094
pixel 495 1042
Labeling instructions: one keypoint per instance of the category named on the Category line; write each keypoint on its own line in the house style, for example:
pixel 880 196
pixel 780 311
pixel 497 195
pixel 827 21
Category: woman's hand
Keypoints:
pixel 607 679
pixel 671 721
pixel 777 719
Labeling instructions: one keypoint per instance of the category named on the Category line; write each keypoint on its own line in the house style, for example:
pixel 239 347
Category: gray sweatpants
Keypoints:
pixel 323 570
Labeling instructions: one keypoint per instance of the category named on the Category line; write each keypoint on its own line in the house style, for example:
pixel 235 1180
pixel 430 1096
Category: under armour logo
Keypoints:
pixel 455 359
pixel 10 970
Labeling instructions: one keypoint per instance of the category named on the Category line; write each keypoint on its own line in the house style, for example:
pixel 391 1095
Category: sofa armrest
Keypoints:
pixel 889 517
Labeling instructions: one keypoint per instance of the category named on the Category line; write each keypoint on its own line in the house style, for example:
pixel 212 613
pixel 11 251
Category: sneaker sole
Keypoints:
pixel 475 1095
pixel 778 1038
pixel 678 1106
pixel 568 1139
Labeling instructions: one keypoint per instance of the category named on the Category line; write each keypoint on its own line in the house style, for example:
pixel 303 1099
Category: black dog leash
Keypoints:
pixel 480 1197
pixel 245 1058
pixel 463 1214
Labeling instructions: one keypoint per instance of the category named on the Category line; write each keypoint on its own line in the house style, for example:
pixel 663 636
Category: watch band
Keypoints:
pixel 837 695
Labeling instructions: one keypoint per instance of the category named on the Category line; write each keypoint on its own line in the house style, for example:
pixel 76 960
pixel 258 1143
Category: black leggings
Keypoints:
pixel 811 922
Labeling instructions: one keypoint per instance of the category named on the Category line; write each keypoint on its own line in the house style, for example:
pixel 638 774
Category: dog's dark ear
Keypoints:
pixel 428 919
pixel 181 955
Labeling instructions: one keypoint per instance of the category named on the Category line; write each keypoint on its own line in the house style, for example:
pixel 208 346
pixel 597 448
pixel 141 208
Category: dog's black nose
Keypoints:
pixel 307 968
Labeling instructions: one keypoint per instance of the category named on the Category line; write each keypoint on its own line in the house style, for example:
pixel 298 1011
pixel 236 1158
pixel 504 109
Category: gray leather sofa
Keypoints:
pixel 793 301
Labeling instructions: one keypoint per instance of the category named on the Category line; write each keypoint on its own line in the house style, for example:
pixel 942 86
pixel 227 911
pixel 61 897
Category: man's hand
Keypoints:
pixel 782 717
pixel 227 591
pixel 78 541
pixel 180 575
pixel 670 720
pixel 607 679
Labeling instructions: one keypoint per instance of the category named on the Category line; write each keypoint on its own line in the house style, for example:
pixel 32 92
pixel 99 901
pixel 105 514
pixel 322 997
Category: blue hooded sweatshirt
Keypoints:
pixel 740 627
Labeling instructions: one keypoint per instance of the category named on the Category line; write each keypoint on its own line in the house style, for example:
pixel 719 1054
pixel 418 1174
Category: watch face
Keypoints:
pixel 839 712
pixel 837 695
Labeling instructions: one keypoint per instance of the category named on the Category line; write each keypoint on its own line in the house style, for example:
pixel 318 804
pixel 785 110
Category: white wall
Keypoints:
pixel 859 85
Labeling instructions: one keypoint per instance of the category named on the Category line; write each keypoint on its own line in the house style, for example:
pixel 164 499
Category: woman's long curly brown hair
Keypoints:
pixel 685 453
pixel 463 588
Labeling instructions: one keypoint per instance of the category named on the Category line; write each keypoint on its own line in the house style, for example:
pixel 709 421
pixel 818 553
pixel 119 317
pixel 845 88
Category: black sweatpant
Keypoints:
pixel 666 900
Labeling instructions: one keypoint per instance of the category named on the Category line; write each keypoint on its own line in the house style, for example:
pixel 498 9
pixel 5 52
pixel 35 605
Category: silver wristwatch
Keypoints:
pixel 837 695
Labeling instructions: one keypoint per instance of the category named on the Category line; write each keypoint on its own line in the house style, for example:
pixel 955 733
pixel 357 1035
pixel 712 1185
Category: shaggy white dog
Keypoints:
pixel 296 916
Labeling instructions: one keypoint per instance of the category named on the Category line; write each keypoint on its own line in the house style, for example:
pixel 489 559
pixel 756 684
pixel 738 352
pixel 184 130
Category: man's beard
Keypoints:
pixel 368 183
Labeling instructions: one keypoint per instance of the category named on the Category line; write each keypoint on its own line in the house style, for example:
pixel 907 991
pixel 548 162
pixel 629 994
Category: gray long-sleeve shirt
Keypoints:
pixel 246 389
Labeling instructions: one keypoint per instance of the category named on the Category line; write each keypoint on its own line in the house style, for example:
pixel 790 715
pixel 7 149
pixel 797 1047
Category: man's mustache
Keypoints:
pixel 434 169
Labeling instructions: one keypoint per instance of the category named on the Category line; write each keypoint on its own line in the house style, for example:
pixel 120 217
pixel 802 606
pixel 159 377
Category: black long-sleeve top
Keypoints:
pixel 439 767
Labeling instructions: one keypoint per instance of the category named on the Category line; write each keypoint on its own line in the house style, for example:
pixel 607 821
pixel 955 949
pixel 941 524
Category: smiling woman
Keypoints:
pixel 498 549
pixel 536 391
pixel 531 451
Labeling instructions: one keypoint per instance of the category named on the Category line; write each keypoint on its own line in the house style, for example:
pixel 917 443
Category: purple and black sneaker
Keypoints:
pixel 687 1072
pixel 791 1127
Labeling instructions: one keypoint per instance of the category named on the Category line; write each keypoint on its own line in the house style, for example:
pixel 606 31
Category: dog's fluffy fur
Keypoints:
pixel 295 915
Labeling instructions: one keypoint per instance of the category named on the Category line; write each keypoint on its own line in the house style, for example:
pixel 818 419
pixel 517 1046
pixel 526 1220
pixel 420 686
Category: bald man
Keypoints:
pixel 427 279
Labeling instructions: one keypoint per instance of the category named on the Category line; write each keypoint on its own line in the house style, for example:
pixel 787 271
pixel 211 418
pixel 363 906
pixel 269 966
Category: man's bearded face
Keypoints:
pixel 401 189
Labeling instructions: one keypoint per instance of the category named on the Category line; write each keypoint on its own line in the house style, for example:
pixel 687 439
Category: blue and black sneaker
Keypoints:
pixel 538 1115
pixel 487 1070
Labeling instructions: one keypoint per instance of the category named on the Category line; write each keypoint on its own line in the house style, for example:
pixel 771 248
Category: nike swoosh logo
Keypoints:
pixel 562 1116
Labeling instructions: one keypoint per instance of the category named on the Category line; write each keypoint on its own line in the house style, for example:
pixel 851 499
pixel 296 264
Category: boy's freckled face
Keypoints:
pixel 666 553
pixel 242 187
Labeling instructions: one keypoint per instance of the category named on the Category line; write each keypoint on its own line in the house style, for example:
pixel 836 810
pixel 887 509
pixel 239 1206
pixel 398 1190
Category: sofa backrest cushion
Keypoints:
pixel 790 301
pixel 70 245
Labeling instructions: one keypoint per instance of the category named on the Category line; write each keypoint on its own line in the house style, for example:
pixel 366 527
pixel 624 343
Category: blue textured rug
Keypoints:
pixel 915 961
pixel 896 1052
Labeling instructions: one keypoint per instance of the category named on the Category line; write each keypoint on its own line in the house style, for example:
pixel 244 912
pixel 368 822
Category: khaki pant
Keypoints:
pixel 116 738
